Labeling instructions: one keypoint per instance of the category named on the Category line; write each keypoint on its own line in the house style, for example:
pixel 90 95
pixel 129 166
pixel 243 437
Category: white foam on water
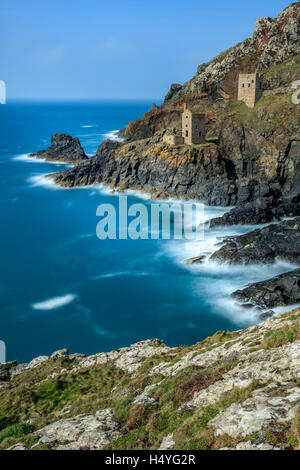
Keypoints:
pixel 101 331
pixel 138 194
pixel 28 159
pixel 287 308
pixel 215 282
pixel 85 313
pixel 54 302
pixel 84 236
pixel 113 135
pixel 88 126
pixel 43 181
pixel 240 316
pixel 121 274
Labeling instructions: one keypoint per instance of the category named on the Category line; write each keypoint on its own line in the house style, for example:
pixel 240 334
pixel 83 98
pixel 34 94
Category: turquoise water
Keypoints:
pixel 60 286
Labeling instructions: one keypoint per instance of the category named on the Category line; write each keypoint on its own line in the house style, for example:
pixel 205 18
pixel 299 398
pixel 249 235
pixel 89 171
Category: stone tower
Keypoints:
pixel 193 127
pixel 250 88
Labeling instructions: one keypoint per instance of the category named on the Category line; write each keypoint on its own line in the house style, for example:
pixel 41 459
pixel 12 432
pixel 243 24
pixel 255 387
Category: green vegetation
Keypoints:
pixel 86 391
pixel 271 438
pixel 254 438
pixel 16 430
pixel 290 316
pixel 283 73
pixel 212 139
pixel 270 112
pixel 149 423
pixel 212 342
pixel 294 440
pixel 17 433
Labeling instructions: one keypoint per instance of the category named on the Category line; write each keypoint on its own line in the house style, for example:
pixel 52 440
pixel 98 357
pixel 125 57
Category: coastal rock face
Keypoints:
pixel 261 146
pixel 257 413
pixel 256 161
pixel 279 241
pixel 256 169
pixel 234 391
pixel 245 169
pixel 262 212
pixel 152 166
pixel 247 214
pixel 276 292
pixel 273 41
pixel 64 148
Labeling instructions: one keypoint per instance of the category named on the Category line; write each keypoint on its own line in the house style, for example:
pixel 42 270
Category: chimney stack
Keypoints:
pixel 184 107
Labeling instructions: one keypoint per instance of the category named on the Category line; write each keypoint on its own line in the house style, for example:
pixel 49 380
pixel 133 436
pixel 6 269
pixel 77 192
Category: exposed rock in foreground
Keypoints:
pixel 276 292
pixel 235 390
pixel 64 148
pixel 279 241
pixel 82 432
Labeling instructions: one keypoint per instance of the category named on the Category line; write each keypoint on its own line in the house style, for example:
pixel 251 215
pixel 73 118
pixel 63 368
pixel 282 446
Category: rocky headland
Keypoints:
pixel 232 391
pixel 64 148
pixel 276 292
pixel 251 158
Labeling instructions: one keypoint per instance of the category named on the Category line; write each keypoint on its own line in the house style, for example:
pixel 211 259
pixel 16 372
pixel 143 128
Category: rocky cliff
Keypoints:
pixel 235 390
pixel 63 148
pixel 251 155
pixel 152 166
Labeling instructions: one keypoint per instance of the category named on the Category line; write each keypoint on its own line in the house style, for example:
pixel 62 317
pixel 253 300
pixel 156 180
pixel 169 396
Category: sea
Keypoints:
pixel 63 287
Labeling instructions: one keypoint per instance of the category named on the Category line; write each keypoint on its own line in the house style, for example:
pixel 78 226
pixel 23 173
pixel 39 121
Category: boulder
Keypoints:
pixel 196 260
pixel 62 353
pixel 37 361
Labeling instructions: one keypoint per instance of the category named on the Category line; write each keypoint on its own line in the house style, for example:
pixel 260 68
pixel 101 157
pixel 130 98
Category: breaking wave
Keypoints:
pixel 54 303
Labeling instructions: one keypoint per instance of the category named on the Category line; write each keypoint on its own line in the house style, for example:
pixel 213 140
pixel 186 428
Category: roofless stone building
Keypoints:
pixel 193 127
pixel 250 88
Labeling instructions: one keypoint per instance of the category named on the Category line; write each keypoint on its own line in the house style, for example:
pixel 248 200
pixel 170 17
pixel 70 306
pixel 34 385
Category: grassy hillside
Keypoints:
pixel 175 394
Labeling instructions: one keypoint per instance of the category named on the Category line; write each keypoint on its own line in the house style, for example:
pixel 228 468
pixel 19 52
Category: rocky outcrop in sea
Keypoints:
pixel 276 242
pixel 236 390
pixel 276 292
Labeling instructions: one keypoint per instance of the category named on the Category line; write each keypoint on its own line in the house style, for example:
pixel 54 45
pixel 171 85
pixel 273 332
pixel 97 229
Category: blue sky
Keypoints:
pixel 117 48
